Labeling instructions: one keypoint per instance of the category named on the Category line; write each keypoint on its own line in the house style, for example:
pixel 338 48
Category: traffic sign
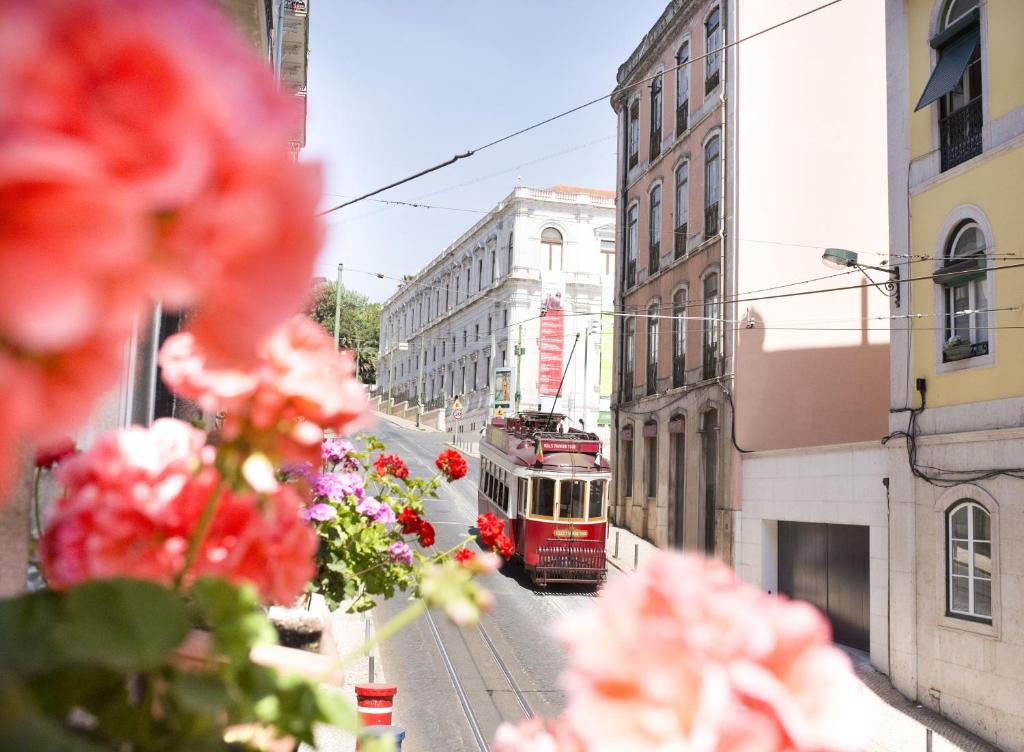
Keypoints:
pixel 457 413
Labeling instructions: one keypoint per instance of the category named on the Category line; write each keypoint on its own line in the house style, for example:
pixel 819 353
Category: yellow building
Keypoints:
pixel 956 193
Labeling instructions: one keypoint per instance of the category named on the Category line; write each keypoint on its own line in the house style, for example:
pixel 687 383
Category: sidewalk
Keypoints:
pixel 403 423
pixel 899 724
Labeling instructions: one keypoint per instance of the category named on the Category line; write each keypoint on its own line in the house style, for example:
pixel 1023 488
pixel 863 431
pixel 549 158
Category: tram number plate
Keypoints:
pixel 565 532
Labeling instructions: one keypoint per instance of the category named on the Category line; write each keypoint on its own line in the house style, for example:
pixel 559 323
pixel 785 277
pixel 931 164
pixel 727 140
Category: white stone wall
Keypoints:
pixel 837 485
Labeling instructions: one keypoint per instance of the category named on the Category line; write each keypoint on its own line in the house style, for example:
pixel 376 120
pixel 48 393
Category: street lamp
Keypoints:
pixel 840 258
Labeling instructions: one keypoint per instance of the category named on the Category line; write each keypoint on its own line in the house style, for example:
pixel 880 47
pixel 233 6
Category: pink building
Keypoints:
pixel 751 395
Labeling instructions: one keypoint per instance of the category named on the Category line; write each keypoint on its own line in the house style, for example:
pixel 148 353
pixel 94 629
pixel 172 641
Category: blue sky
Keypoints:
pixel 396 86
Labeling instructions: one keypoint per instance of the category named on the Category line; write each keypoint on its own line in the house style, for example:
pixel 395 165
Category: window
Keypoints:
pixel 709 461
pixel 608 253
pixel 462 381
pixel 475 382
pixel 651 456
pixel 634 134
pixel 444 344
pixel 682 88
pixel 494 264
pixel 524 495
pixel 654 230
pixel 552 240
pixel 490 326
pixel 712 186
pixel 965 278
pixel 447 303
pixel 628 355
pixel 652 349
pixel 504 317
pixel 956 83
pixel 511 242
pixel 468 270
pixel 627 467
pixel 631 245
pixel 456 275
pixel 570 501
pixel 969 561
pixel 713 61
pixel 711 327
pixel 479 274
pixel 679 338
pixel 682 209
pixel 476 332
pixel 544 497
pixel 503 358
pixel 595 508
pixel 464 335
pixel 656 96
pixel 487 371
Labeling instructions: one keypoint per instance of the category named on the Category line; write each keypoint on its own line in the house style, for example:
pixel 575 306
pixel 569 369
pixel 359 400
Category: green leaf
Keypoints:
pixel 24 727
pixel 128 625
pixel 234 614
pixel 26 632
pixel 200 693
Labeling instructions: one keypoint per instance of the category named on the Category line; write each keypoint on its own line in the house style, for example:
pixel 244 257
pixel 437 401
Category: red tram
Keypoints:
pixel 551 490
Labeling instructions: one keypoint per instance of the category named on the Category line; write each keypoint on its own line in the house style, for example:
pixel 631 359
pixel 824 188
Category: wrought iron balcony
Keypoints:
pixel 712 80
pixel 711 220
pixel 627 385
pixel 652 378
pixel 678 370
pixel 630 273
pixel 960 134
pixel 655 144
pixel 682 117
pixel 653 257
pixel 711 362
pixel 679 241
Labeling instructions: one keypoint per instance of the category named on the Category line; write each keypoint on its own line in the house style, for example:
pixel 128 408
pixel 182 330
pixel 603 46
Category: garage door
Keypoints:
pixel 827 565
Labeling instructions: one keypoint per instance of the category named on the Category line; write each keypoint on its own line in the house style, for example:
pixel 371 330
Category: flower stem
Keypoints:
pixel 35 503
pixel 199 534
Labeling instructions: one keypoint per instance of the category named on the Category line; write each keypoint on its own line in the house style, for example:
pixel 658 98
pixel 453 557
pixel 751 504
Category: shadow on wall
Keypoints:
pixel 809 396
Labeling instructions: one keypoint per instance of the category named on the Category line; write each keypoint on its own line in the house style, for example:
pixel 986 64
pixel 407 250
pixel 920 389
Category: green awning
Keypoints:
pixel 953 59
pixel 961 272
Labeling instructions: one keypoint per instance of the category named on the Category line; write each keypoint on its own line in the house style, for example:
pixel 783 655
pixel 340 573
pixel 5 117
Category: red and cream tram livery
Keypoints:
pixel 551 490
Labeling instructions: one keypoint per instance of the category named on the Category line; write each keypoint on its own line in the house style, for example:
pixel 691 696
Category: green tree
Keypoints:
pixel 360 325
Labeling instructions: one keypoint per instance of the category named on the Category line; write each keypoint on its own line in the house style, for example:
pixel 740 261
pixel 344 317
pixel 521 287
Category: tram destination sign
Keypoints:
pixel 563 445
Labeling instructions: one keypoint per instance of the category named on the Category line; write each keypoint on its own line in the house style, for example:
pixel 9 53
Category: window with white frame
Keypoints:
pixel 713 49
pixel 511 245
pixel 711 327
pixel 551 239
pixel 628 355
pixel 608 253
pixel 683 88
pixel 632 240
pixel 682 217
pixel 654 230
pixel 969 561
pixel 964 277
pixel 633 146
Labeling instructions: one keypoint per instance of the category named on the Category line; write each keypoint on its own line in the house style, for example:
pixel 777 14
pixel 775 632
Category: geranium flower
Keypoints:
pixel 337 451
pixel 400 553
pixel 490 528
pixel 426 533
pixel 503 545
pixel 410 521
pixel 376 510
pixel 391 464
pixel 319 512
pixel 338 486
pixel 464 556
pixel 451 464
pixel 50 454
pixel 682 655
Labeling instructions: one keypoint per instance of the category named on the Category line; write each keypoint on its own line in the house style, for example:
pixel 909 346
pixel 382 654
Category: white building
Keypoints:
pixel 466 313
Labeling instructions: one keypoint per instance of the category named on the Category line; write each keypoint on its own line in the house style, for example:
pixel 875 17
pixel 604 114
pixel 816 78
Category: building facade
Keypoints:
pixel 518 290
pixel 672 420
pixel 956 118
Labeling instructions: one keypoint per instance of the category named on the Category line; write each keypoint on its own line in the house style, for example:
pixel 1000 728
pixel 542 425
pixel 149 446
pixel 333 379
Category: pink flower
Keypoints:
pixel 400 553
pixel 536 735
pixel 300 386
pixel 684 656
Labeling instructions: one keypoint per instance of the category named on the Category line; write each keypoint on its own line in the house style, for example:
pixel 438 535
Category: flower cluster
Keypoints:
pixel 135 501
pixel 55 452
pixel 391 464
pixel 146 160
pixel 340 453
pixel 492 535
pixel 452 464
pixel 685 656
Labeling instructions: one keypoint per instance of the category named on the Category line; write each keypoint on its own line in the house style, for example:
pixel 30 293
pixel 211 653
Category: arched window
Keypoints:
pixel 653 341
pixel 654 231
pixel 711 327
pixel 626 459
pixel 712 186
pixel 679 338
pixel 713 49
pixel 657 86
pixel 965 278
pixel 683 88
pixel 956 83
pixel 709 468
pixel 552 240
pixel 969 560
pixel 682 209
pixel 631 245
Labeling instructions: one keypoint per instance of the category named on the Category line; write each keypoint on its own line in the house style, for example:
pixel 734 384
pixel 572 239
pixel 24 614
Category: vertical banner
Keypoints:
pixel 552 341
pixel 502 387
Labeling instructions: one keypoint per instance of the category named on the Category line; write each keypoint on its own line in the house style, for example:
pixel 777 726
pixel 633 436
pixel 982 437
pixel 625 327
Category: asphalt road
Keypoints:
pixel 503 672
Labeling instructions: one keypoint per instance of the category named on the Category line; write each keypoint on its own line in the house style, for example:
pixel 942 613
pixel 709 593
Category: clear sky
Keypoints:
pixel 396 86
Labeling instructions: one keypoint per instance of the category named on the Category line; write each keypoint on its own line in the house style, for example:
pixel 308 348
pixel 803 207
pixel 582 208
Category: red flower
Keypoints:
pixel 490 528
pixel 391 463
pixel 464 556
pixel 451 464
pixel 426 533
pixel 50 454
pixel 503 545
pixel 410 521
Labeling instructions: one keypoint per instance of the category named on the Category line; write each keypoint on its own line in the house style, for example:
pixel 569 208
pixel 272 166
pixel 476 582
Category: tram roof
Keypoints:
pixel 528 440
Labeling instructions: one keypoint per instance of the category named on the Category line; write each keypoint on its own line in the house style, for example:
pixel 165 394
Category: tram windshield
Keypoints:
pixel 596 499
pixel 544 497
pixel 570 501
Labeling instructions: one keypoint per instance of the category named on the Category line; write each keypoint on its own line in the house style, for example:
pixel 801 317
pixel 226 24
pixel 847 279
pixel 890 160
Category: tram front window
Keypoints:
pixel 596 499
pixel 570 503
pixel 544 497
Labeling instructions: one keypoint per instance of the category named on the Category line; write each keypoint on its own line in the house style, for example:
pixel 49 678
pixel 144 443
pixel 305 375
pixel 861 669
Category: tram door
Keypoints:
pixel 519 523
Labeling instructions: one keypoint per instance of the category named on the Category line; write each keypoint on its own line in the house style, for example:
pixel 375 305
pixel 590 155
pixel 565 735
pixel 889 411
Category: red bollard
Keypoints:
pixel 375 703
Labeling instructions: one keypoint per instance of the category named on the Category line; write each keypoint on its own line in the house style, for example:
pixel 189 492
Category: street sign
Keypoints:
pixel 457 413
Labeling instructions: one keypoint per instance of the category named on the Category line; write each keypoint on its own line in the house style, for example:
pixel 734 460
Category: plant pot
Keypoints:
pixel 956 352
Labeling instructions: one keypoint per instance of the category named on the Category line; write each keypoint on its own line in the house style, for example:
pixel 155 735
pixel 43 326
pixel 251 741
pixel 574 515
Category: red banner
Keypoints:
pixel 552 339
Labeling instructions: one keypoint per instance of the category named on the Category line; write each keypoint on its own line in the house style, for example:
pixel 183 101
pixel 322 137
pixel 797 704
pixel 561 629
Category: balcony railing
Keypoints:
pixel 682 117
pixel 653 258
pixel 678 371
pixel 630 273
pixel 960 134
pixel 652 378
pixel 711 220
pixel 679 241
pixel 627 386
pixel 634 157
pixel 655 143
pixel 712 80
pixel 711 362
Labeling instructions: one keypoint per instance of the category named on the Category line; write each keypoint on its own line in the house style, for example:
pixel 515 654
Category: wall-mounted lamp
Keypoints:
pixel 839 258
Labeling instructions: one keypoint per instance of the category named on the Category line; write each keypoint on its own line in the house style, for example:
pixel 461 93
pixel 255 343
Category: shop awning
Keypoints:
pixel 952 63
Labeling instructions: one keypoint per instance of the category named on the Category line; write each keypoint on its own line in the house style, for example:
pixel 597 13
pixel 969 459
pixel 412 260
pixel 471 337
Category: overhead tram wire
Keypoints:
pixel 470 152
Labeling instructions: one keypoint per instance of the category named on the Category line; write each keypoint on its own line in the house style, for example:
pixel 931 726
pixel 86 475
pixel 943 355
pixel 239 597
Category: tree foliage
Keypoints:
pixel 360 325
